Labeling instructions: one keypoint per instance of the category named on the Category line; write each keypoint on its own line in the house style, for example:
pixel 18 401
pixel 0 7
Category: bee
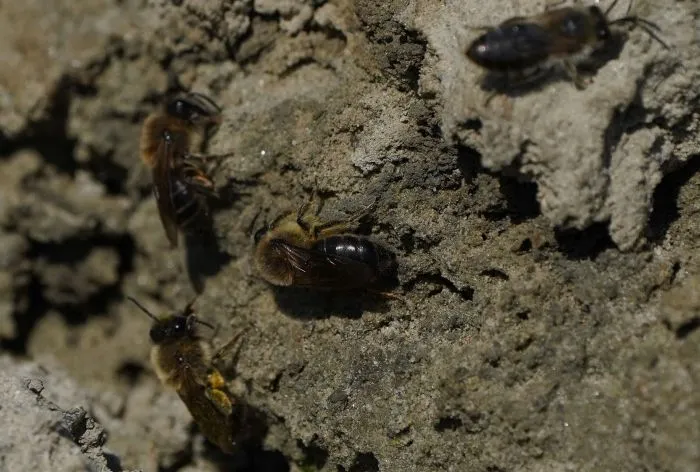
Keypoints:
pixel 184 362
pixel 568 36
pixel 181 186
pixel 297 249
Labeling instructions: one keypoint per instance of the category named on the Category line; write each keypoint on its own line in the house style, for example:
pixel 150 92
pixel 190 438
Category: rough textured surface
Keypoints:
pixel 48 426
pixel 547 242
pixel 596 156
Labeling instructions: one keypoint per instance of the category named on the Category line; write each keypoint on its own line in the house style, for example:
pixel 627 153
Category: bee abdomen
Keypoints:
pixel 187 205
pixel 512 47
pixel 353 247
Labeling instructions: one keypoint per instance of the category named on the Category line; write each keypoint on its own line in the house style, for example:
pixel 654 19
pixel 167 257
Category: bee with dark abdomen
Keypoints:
pixel 522 46
pixel 299 250
pixel 180 185
pixel 183 361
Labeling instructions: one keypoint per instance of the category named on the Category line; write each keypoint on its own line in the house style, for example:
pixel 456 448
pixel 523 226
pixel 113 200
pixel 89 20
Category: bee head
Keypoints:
pixel 600 24
pixel 196 109
pixel 172 328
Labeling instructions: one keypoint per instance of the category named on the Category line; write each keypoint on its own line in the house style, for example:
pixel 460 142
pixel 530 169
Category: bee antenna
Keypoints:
pixel 612 5
pixel 174 85
pixel 649 28
pixel 188 308
pixel 150 315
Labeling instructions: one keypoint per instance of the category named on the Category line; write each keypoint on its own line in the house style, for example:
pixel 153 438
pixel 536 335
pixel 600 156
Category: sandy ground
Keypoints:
pixel 547 241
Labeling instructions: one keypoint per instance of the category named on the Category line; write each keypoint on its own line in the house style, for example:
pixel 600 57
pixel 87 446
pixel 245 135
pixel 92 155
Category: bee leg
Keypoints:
pixel 579 81
pixel 216 394
pixel 391 295
pixel 210 162
pixel 308 219
pixel 331 228
pixel 199 181
pixel 305 222
pixel 229 345
pixel 490 97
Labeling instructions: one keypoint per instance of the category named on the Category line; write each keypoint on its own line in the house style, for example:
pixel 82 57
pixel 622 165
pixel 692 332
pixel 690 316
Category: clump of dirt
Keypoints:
pixel 546 243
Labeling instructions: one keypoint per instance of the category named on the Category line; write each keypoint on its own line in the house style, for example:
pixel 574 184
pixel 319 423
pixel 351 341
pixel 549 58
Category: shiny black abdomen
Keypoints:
pixel 352 247
pixel 511 47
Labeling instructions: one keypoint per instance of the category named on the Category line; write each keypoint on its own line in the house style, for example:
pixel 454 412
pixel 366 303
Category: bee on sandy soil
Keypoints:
pixel 184 362
pixel 299 250
pixel 180 185
pixel 522 47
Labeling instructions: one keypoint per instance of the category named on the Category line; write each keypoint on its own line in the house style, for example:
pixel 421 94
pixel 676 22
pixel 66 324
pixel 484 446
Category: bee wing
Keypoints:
pixel 216 426
pixel 319 270
pixel 162 190
pixel 530 41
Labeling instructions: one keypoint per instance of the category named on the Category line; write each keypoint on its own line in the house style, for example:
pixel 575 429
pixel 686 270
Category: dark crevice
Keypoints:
pixel 495 273
pixel 665 200
pixel 466 293
pixel 26 319
pixel 584 244
pixel 110 174
pixel 448 423
pixel 472 124
pixel 74 251
pixel 525 246
pixel 130 372
pixel 469 162
pixel 259 39
pixel 258 459
pixel 329 31
pixel 520 194
pixel 411 243
pixel 495 468
pixel 621 123
pixel 365 462
pixel 314 455
pixel 521 198
pixel 686 328
pixel 298 65
pixel 520 201
pixel 70 252
pixel 49 136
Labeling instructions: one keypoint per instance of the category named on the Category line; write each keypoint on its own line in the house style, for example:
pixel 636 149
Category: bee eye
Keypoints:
pixel 177 108
pixel 179 326
pixel 157 334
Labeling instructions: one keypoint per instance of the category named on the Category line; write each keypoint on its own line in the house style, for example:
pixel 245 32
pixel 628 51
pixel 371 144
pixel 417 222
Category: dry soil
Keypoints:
pixel 546 240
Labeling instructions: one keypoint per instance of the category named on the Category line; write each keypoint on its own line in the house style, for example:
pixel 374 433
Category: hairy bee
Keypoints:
pixel 184 362
pixel 180 185
pixel 299 250
pixel 522 46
